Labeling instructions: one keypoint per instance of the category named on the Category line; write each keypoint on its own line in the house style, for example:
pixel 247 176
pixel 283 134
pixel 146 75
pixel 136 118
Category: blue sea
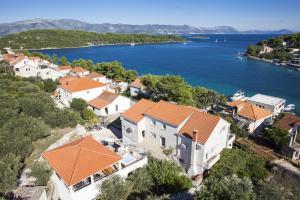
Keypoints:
pixel 202 62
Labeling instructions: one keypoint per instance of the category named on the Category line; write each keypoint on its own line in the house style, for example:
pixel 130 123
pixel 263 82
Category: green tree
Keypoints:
pixel 89 116
pixel 78 104
pixel 228 188
pixel 252 50
pixel 9 168
pixel 276 136
pixel 41 171
pixel 50 85
pixel 269 191
pixel 54 58
pixel 63 61
pixel 114 188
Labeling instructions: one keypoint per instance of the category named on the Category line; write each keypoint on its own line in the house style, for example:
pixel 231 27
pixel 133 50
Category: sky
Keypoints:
pixel 241 14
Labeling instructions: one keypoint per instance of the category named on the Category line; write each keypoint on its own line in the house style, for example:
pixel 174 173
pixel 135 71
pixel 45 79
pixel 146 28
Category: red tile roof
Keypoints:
pixel 287 122
pixel 103 100
pixel 200 126
pixel 170 113
pixel 94 75
pixel 65 79
pixel 81 84
pixel 135 113
pixel 78 70
pixel 249 110
pixel 62 68
pixel 13 59
pixel 80 159
pixel 137 83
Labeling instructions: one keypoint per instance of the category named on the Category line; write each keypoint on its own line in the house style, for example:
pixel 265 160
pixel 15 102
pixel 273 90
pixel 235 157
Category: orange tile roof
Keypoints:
pixel 287 122
pixel 200 126
pixel 81 84
pixel 103 100
pixel 94 75
pixel 62 68
pixel 65 79
pixel 34 58
pixel 80 159
pixel 78 69
pixel 13 59
pixel 135 113
pixel 249 110
pixel 137 83
pixel 170 113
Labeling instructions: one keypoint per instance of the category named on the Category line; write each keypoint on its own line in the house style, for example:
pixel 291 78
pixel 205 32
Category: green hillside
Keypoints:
pixel 37 39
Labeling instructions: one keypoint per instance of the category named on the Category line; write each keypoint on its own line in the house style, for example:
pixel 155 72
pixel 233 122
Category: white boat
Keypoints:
pixel 216 40
pixel 184 43
pixel 239 95
pixel 290 107
pixel 239 57
pixel 132 44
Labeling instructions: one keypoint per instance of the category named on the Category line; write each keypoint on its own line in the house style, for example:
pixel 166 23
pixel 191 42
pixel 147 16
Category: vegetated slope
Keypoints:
pixel 37 39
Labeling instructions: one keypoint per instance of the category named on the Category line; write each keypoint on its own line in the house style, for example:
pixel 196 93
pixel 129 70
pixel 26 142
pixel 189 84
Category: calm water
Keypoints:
pixel 202 62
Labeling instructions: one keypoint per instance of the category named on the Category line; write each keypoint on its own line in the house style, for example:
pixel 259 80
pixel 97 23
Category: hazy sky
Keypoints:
pixel 241 14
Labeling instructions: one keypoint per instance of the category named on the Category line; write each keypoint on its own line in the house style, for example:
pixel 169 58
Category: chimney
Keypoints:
pixel 195 135
pixel 67 82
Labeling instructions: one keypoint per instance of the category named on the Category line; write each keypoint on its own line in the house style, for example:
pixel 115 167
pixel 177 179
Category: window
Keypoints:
pixel 198 146
pixel 106 110
pixel 163 142
pixel 153 135
pixel 117 107
pixel 183 146
pixel 153 122
pixel 164 126
pixel 87 91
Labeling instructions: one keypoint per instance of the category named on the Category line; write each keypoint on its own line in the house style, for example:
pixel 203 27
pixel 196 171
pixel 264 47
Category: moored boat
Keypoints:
pixel 239 95
pixel 289 108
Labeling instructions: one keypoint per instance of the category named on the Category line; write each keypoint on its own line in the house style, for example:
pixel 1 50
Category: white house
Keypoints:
pixel 84 88
pixel 65 69
pixel 270 103
pixel 196 137
pixel 80 167
pixel 109 103
pixel 79 71
pixel 266 49
pixel 136 87
pixel 250 115
pixel 32 67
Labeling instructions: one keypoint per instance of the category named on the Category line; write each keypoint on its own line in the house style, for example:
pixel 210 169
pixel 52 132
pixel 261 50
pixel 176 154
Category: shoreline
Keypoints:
pixel 271 62
pixel 105 44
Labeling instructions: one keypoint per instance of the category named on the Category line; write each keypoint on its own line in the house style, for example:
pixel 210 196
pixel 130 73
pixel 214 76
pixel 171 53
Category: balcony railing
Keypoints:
pixel 82 184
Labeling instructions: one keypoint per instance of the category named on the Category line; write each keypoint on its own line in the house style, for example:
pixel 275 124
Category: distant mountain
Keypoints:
pixel 281 31
pixel 69 24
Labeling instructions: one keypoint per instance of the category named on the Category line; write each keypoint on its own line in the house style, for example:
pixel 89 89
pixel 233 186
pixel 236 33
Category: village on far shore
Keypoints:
pixel 131 128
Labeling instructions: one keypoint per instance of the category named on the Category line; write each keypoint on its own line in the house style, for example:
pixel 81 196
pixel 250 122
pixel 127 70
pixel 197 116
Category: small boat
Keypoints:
pixel 289 108
pixel 184 43
pixel 216 40
pixel 132 44
pixel 239 95
pixel 239 57
pixel 224 40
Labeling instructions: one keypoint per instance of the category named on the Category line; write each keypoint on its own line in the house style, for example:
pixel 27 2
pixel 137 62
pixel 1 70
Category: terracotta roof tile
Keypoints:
pixel 80 159
pixel 65 79
pixel 200 126
pixel 103 100
pixel 137 83
pixel 94 75
pixel 13 59
pixel 170 113
pixel 78 70
pixel 62 68
pixel 81 84
pixel 287 122
pixel 249 110
pixel 135 113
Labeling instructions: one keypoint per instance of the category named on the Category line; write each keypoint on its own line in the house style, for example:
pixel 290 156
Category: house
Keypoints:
pixel 80 167
pixel 109 103
pixel 98 77
pixel 79 71
pixel 66 79
pixel 270 103
pixel 250 115
pixel 196 137
pixel 266 49
pixel 65 69
pixel 291 124
pixel 25 66
pixel 31 193
pixel 137 87
pixel 83 88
